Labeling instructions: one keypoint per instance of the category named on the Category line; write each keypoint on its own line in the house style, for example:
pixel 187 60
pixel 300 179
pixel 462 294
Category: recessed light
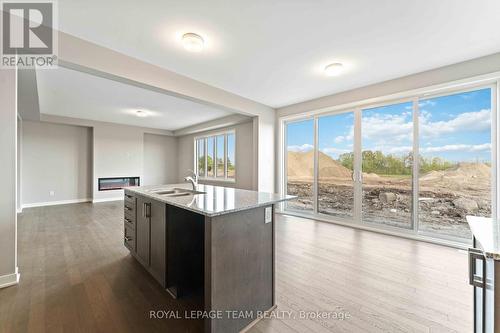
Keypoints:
pixel 192 42
pixel 140 113
pixel 334 69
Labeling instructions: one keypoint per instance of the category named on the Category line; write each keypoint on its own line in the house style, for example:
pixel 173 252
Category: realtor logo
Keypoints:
pixel 28 34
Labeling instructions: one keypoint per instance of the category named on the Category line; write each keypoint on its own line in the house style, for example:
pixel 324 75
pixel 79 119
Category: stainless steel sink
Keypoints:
pixel 175 192
pixel 185 190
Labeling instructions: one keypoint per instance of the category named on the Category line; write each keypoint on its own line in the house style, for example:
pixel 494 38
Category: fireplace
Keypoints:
pixel 117 183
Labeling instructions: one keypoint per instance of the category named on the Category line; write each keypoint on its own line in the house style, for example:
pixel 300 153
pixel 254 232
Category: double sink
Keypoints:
pixel 174 192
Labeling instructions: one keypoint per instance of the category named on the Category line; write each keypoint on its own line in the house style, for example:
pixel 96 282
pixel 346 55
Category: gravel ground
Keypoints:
pixel 439 212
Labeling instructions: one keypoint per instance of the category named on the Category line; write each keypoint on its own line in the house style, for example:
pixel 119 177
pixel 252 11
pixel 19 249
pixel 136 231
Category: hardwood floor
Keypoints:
pixel 76 276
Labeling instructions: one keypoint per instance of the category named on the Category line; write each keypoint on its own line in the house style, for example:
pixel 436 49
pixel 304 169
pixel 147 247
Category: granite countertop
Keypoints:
pixel 218 200
pixel 487 233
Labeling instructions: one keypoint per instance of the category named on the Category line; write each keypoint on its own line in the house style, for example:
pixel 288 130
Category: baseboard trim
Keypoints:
pixel 54 203
pixel 9 279
pixel 107 199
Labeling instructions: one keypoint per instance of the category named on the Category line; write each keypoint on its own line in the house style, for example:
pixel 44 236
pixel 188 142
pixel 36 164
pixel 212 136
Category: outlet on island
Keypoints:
pixel 269 214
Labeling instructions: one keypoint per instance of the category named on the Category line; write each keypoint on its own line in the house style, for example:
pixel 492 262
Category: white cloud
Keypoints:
pixel 468 121
pixel 485 147
pixel 399 150
pixel 301 149
pixel 393 133
pixel 335 151
pixel 339 139
pixel 384 129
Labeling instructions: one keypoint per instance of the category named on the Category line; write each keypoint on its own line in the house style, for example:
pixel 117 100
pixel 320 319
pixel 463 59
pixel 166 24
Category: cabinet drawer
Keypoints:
pixel 129 208
pixel 130 214
pixel 129 198
pixel 129 221
pixel 129 238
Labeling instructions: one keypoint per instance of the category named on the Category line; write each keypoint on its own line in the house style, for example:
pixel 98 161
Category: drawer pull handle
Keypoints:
pixel 127 220
pixel 127 207
pixel 128 239
pixel 474 279
pixel 128 196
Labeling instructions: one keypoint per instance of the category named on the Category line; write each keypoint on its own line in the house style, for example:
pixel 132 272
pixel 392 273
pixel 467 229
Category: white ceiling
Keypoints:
pixel 69 93
pixel 274 51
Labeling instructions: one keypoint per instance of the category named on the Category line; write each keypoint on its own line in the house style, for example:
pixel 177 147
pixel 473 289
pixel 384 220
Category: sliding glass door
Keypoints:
pixel 300 164
pixel 386 169
pixel 417 166
pixel 336 165
pixel 455 161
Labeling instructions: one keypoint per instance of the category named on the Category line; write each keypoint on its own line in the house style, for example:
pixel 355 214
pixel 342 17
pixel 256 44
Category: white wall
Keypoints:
pixel 118 152
pixel 19 146
pixel 160 159
pixel 56 158
pixel 69 160
pixel 8 216
pixel 244 155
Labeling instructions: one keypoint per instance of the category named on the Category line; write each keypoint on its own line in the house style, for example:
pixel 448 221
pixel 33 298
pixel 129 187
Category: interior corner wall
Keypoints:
pixel 118 152
pixel 128 151
pixel 244 155
pixel 8 215
pixel 160 159
pixel 56 163
pixel 61 163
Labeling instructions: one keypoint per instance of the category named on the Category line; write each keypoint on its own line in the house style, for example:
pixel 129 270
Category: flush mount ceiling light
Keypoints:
pixel 192 42
pixel 334 69
pixel 140 113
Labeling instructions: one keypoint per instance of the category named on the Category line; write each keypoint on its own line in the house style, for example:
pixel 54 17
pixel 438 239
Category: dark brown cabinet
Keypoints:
pixel 143 230
pixel 216 261
pixel 129 220
pixel 158 255
pixel 150 235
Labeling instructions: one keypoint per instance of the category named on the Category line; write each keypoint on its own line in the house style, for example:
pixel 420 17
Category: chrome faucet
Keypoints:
pixel 193 179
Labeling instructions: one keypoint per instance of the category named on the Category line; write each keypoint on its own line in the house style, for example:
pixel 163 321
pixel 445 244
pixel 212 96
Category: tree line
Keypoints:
pixel 220 161
pixel 382 164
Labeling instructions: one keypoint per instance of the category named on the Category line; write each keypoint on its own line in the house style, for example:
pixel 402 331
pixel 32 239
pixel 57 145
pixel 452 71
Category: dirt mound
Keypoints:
pixel 462 170
pixel 470 178
pixel 472 170
pixel 301 166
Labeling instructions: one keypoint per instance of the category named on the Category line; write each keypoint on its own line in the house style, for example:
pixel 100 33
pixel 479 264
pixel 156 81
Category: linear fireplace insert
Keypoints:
pixel 117 183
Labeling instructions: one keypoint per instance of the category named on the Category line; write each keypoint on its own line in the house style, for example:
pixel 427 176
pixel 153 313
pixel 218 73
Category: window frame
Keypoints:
pixel 491 82
pixel 214 135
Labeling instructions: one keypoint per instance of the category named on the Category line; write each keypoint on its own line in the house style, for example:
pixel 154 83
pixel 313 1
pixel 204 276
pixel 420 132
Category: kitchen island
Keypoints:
pixel 217 241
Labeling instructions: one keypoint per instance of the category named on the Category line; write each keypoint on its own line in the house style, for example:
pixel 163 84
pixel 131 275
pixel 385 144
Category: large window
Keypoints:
pixel 455 161
pixel 418 165
pixel 300 164
pixel 215 156
pixel 386 167
pixel 336 165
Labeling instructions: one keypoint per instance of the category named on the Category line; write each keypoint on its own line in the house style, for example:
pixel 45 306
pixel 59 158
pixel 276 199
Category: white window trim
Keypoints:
pixel 225 133
pixel 484 81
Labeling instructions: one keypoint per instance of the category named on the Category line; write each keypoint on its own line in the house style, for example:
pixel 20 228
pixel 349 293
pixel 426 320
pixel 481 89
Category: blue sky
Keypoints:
pixel 231 148
pixel 454 127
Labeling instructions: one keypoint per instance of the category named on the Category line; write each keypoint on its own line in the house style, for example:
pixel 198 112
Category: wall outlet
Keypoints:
pixel 52 193
pixel 269 214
